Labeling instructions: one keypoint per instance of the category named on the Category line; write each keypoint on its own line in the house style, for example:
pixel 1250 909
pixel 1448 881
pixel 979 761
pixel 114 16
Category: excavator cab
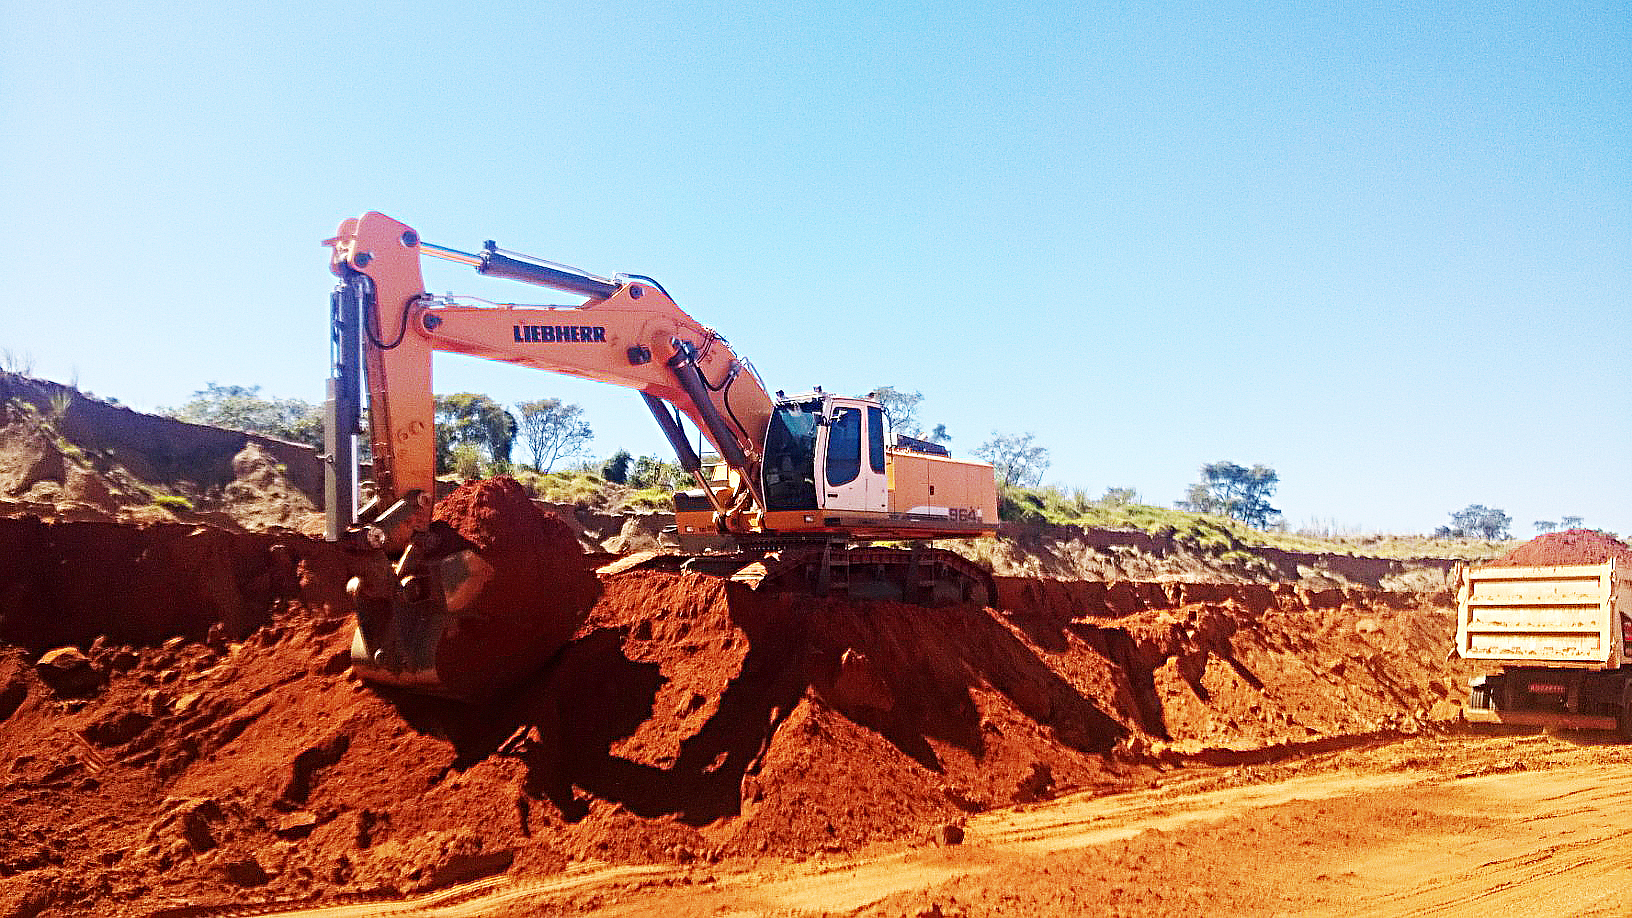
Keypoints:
pixel 825 452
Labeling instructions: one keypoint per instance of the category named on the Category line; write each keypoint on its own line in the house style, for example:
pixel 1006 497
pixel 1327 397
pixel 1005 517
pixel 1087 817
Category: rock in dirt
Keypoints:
pixel 68 672
pixel 306 764
pixel 296 825
pixel 245 871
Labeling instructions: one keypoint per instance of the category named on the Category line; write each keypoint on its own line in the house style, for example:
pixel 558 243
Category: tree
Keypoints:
pixel 473 420
pixel 616 469
pixel 1476 521
pixel 243 408
pixel 1019 462
pixel 652 472
pixel 1544 526
pixel 554 431
pixel 1570 522
pixel 1235 491
pixel 1120 497
pixel 902 407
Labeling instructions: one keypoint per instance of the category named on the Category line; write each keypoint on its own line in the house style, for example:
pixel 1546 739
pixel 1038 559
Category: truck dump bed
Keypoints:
pixel 1566 615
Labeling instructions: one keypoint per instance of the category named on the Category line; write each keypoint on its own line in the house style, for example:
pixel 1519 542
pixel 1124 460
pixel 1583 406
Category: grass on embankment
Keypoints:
pixel 1203 533
pixel 1217 535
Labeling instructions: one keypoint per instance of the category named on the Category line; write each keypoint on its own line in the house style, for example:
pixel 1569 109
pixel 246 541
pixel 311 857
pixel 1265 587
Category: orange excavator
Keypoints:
pixel 803 484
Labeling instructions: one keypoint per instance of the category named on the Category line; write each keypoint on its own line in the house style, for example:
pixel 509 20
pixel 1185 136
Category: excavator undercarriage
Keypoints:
pixel 918 574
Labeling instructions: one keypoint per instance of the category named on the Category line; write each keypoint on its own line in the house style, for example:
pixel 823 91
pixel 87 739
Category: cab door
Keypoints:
pixel 852 458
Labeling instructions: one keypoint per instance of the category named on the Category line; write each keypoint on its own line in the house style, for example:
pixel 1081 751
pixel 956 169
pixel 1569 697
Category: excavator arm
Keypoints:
pixel 629 333
pixel 415 589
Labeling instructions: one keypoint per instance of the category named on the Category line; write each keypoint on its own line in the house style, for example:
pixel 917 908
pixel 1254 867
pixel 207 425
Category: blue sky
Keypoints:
pixel 1383 248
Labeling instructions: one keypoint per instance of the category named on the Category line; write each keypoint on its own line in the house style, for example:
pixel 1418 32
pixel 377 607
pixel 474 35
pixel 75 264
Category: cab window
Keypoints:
pixel 790 456
pixel 844 447
pixel 875 438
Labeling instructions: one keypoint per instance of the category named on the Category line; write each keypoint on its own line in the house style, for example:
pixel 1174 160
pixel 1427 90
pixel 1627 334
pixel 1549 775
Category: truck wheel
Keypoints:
pixel 1623 721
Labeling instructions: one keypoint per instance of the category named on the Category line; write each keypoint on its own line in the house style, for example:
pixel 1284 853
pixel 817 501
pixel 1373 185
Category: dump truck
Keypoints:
pixel 1560 634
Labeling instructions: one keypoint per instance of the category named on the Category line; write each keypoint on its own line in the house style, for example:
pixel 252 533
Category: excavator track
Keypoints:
pixel 920 575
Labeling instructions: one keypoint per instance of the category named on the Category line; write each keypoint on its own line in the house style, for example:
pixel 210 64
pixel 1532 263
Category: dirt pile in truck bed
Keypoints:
pixel 1572 546
pixel 686 718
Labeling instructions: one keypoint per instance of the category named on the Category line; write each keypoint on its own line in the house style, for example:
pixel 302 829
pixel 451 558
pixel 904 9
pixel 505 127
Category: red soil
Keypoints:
pixel 683 717
pixel 1572 546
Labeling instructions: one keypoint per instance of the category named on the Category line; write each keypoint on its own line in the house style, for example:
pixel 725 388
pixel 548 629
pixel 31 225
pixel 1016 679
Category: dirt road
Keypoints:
pixel 1447 826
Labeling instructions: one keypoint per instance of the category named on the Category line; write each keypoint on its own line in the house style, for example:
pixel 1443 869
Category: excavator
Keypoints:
pixel 803 486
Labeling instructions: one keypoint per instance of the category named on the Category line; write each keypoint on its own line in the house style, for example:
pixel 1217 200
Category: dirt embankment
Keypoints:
pixel 167 761
pixel 1068 552
pixel 66 456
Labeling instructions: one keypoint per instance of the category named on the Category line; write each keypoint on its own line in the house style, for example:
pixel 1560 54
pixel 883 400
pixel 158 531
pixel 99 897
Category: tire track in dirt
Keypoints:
pixel 1564 861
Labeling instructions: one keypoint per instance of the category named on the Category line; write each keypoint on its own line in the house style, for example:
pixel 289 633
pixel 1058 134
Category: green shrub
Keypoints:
pixel 174 503
pixel 466 461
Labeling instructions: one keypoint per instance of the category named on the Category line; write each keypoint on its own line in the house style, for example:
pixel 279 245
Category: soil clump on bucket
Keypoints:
pixel 539 592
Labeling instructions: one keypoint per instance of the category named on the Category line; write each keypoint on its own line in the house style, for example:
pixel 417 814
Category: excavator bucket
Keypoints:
pixel 482 600
pixel 399 642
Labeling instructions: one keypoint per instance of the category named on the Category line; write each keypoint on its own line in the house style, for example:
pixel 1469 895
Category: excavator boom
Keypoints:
pixel 630 333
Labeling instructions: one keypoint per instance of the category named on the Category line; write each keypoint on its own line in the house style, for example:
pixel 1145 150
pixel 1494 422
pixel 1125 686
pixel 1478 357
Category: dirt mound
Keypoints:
pixel 497 517
pixel 1572 546
pixel 260 495
pixel 685 717
pixel 539 593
